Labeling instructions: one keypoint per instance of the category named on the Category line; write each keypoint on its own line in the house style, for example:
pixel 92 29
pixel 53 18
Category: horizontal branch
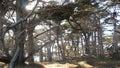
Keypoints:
pixel 45 31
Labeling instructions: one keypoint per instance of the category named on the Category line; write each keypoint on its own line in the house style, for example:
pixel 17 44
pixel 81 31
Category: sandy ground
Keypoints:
pixel 54 65
pixel 58 65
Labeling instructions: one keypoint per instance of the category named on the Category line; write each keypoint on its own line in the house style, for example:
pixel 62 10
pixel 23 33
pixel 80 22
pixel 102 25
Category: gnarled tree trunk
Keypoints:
pixel 18 58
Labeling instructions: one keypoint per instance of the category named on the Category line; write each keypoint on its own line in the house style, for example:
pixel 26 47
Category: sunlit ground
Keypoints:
pixel 58 65
pixel 90 63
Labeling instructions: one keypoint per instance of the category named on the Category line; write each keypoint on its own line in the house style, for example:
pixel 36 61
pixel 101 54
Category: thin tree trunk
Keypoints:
pixel 94 43
pixel 63 49
pixel 75 43
pixel 115 39
pixel 100 42
pixel 30 40
pixel 87 46
pixel 83 47
pixel 49 54
pixel 41 55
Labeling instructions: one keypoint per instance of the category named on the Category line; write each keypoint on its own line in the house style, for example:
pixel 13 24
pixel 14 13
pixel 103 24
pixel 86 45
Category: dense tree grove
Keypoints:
pixel 53 30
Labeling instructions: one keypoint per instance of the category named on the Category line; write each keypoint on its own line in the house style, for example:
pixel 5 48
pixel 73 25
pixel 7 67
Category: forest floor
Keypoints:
pixel 89 63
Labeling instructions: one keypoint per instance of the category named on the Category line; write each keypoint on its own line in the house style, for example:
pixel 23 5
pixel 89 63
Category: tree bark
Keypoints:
pixel 115 39
pixel 30 30
pixel 20 34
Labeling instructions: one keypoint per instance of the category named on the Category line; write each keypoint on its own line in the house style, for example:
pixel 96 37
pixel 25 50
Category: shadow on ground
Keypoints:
pixel 89 63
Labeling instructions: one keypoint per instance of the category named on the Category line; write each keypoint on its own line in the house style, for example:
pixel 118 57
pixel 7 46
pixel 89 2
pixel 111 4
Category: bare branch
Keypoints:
pixel 45 31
